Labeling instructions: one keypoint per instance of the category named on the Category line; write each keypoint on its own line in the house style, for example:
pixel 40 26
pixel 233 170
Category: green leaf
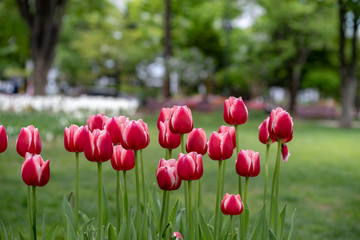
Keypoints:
pixel 282 221
pixel 4 231
pixel 70 233
pixel 258 225
pixel 205 230
pixel 21 236
pixel 173 212
pixel 246 224
pixel 122 233
pixel 50 235
pixel 225 227
pixel 292 225
pixel 43 226
pixel 132 232
pixel 272 235
pixel 111 232
pixel 105 207
pixel 155 207
pixel 67 210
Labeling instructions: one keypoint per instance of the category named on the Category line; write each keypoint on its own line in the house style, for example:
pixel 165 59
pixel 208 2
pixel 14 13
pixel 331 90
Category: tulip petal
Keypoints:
pixel 285 154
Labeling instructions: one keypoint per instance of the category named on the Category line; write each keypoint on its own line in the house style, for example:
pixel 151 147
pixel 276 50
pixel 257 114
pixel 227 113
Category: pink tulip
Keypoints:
pixel 34 171
pixel 122 159
pixel 285 154
pixel 235 111
pixel 178 236
pixel 280 125
pixel 168 139
pixel 167 176
pixel 28 141
pixel 74 138
pixel 134 135
pixel 220 146
pixel 197 141
pixel 232 205
pixel 165 115
pixel 113 126
pixel 97 121
pixel 181 120
pixel 98 146
pixel 231 130
pixel 3 139
pixel 190 166
pixel 264 135
pixel 248 163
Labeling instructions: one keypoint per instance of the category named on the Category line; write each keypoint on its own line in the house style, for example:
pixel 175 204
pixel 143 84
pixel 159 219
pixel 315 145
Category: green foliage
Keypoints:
pixel 327 81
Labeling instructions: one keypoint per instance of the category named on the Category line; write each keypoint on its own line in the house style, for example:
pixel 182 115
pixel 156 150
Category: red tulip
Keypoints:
pixel 280 125
pixel 122 159
pixel 28 141
pixel 134 135
pixel 3 139
pixel 74 138
pixel 232 205
pixel 167 175
pixel 264 135
pixel 97 121
pixel 178 236
pixel 197 141
pixel 285 154
pixel 168 139
pixel 113 126
pixel 165 115
pixel 231 130
pixel 34 171
pixel 248 163
pixel 235 111
pixel 190 166
pixel 220 146
pixel 181 120
pixel 98 146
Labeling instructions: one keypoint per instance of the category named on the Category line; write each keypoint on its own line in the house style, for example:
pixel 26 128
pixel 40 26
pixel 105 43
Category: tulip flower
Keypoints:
pixel 165 115
pixel 232 205
pixel 135 135
pixel 220 146
pixel 74 138
pixel 248 163
pixel 190 166
pixel 122 159
pixel 28 141
pixel 98 146
pixel 178 236
pixel 113 126
pixel 168 139
pixel 264 135
pixel 3 139
pixel 181 120
pixel 280 125
pixel 285 154
pixel 231 130
pixel 167 176
pixel 96 121
pixel 235 111
pixel 34 171
pixel 197 141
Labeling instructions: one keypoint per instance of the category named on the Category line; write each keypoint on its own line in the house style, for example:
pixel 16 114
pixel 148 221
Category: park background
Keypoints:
pixel 62 60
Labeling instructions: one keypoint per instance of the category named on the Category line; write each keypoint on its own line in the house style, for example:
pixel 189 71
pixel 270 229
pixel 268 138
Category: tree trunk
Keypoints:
pixel 167 48
pixel 39 76
pixel 348 92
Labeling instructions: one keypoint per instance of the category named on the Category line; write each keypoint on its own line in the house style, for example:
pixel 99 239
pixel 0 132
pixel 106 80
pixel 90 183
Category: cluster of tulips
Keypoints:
pixel 122 140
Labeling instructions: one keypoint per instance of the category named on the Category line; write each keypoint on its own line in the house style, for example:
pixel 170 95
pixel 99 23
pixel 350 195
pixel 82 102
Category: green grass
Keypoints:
pixel 321 178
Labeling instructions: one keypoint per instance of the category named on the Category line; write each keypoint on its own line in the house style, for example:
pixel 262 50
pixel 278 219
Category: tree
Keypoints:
pixel 349 11
pixel 43 18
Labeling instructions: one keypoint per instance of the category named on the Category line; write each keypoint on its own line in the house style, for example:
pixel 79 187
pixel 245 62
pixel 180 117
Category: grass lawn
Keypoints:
pixel 321 178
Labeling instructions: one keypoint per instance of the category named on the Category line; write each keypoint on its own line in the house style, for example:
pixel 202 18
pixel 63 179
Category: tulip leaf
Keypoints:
pixel 155 211
pixel 272 235
pixel 122 233
pixel 70 233
pixel 111 232
pixel 50 235
pixel 105 207
pixel 282 221
pixel 173 212
pixel 84 217
pixel 225 227
pixel 132 232
pixel 258 225
pixel 68 211
pixel 4 231
pixel 43 226
pixel 292 225
pixel 246 224
pixel 205 230
pixel 21 236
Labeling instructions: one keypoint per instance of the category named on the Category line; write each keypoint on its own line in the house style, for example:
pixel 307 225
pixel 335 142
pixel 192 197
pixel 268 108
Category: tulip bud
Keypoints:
pixel 3 139
pixel 134 135
pixel 178 236
pixel 165 115
pixel 181 120
pixel 34 171
pixel 235 111
pixel 74 138
pixel 28 141
pixel 264 135
pixel 96 121
pixel 167 175
pixel 248 163
pixel 285 154
pixel 231 130
pixel 197 141
pixel 98 146
pixel 190 166
pixel 232 205
pixel 113 127
pixel 280 125
pixel 220 146
pixel 122 159
pixel 168 139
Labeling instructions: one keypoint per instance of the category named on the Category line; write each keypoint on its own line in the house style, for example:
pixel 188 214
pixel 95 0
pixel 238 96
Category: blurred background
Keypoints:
pixel 61 60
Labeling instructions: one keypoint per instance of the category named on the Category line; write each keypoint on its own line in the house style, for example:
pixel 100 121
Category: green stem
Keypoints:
pixel 231 227
pixel 170 153
pixel 143 177
pixel 187 203
pixel 77 192
pixel 240 216
pixel 162 213
pixel 265 187
pixel 166 218
pixel 246 189
pixel 182 143
pixel 99 201
pixel 196 208
pixel 137 189
pixel 126 208
pixel 217 206
pixel 34 211
pixel 166 154
pixel 273 203
pixel 222 192
pixel 29 208
pixel 199 194
pixel 118 200
pixel 244 227
pixel 237 153
pixel 190 213
pixel 277 185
